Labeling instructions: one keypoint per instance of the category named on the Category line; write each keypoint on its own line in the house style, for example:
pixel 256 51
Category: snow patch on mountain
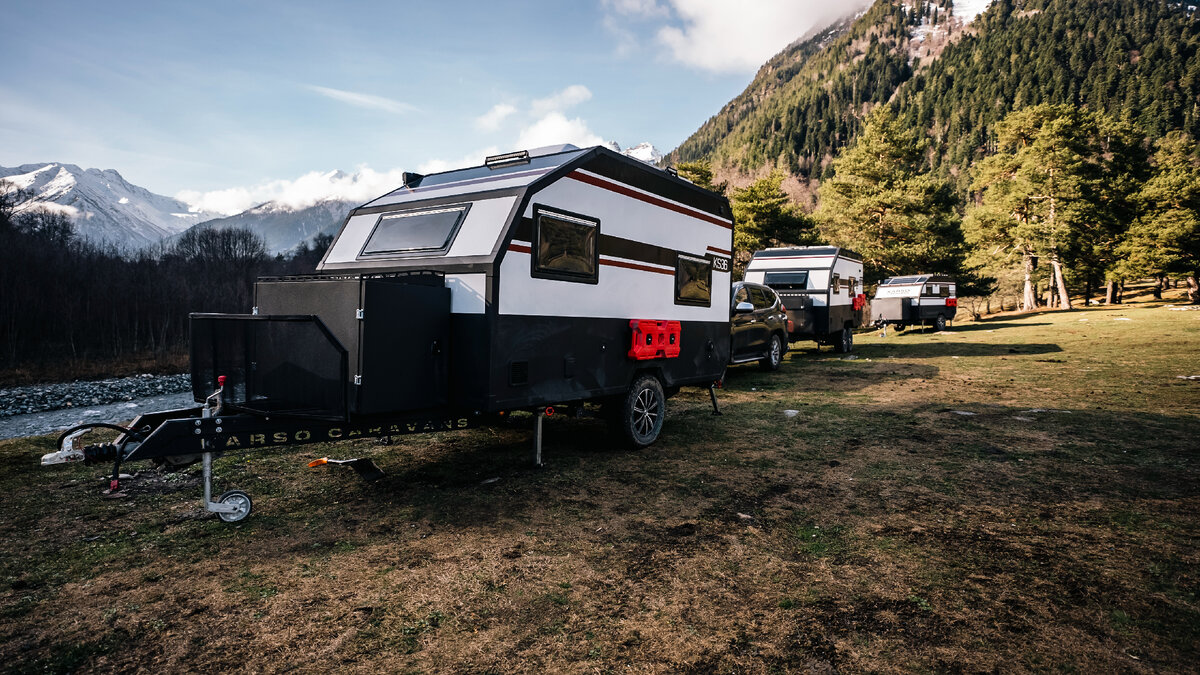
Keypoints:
pixel 102 204
pixel 643 152
pixel 967 10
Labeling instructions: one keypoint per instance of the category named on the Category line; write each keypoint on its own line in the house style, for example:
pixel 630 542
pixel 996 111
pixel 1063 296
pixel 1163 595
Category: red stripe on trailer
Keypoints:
pixel 628 192
pixel 519 248
pixel 722 251
pixel 795 257
pixel 633 266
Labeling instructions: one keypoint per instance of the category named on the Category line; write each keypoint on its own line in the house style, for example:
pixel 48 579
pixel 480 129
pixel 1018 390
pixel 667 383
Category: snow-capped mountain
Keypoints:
pixel 103 205
pixel 644 152
pixel 282 227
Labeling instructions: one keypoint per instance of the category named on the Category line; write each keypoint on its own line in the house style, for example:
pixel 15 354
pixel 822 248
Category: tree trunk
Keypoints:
pixel 1193 290
pixel 1064 299
pixel 1110 292
pixel 1158 287
pixel 1121 291
pixel 1029 301
pixel 1087 291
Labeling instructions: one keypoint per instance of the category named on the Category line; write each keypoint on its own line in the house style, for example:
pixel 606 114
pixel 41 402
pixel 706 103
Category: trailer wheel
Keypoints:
pixel 939 324
pixel 900 327
pixel 774 355
pixel 643 411
pixel 843 342
pixel 238 499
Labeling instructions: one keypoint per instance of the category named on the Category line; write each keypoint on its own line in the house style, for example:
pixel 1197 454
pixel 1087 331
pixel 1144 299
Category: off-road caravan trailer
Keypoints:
pixel 923 299
pixel 821 288
pixel 542 278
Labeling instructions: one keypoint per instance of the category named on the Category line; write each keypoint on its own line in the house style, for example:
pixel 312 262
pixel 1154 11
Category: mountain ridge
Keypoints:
pixel 103 206
pixel 1135 59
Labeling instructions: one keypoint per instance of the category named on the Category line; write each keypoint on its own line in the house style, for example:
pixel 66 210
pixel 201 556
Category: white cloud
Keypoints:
pixel 560 101
pixel 640 8
pixel 492 119
pixel 723 36
pixel 368 101
pixel 470 159
pixel 361 186
pixel 553 129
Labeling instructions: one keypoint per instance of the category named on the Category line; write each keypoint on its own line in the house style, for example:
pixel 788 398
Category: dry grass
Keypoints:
pixel 877 530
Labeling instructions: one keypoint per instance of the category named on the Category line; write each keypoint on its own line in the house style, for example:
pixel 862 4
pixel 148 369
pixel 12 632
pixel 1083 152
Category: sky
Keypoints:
pixel 229 104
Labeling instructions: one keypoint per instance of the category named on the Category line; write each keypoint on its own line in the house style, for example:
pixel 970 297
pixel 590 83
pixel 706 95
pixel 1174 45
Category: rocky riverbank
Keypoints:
pixel 46 397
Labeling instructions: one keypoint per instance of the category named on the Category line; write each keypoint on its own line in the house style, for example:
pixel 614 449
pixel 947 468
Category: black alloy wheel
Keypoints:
pixel 843 342
pixel 643 412
pixel 774 355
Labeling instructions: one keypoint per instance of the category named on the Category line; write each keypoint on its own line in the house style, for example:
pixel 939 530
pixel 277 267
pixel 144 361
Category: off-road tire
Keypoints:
pixel 643 411
pixel 939 324
pixel 843 342
pixel 774 356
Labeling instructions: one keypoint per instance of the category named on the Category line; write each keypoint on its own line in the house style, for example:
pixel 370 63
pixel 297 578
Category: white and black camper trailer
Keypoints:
pixel 922 299
pixel 821 288
pixel 542 278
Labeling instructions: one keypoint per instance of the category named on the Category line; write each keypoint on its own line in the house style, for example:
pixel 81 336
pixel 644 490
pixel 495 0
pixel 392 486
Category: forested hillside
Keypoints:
pixel 808 101
pixel 1137 60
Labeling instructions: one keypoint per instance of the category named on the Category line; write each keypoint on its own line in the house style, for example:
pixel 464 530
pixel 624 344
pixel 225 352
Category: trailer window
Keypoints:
pixel 413 231
pixel 566 248
pixel 836 284
pixel 787 281
pixel 693 281
pixel 945 291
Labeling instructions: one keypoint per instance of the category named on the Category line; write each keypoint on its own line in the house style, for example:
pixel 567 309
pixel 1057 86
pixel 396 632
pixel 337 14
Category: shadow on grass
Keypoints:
pixel 1061 455
pixel 983 325
pixel 930 350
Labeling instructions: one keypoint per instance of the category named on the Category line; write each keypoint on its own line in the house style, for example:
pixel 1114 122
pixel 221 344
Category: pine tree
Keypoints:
pixel 764 216
pixel 1166 238
pixel 880 204
pixel 1058 188
pixel 700 172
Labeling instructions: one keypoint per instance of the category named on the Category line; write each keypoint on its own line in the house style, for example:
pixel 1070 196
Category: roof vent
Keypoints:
pixel 507 159
pixel 411 179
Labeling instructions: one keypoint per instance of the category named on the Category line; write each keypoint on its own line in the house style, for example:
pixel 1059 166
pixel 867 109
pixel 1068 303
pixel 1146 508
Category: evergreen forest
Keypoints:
pixel 1044 149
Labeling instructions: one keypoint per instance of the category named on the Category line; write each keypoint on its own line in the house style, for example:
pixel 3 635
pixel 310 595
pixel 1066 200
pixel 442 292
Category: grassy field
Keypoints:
pixel 1054 528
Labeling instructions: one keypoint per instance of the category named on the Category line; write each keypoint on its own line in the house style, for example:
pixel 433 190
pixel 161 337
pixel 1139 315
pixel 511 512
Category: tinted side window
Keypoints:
pixel 741 296
pixel 759 299
pixel 693 281
pixel 566 248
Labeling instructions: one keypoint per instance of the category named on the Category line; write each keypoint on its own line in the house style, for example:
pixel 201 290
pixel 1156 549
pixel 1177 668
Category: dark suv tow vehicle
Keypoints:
pixel 759 326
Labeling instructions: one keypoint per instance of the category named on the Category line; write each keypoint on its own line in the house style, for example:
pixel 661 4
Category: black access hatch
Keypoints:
pixel 395 328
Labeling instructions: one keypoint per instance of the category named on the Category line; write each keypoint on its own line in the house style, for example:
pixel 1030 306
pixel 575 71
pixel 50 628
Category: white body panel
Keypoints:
pixel 621 292
pixel 468 293
pixel 821 269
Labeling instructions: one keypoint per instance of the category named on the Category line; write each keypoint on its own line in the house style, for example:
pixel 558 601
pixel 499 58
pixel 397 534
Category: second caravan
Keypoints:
pixel 821 288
